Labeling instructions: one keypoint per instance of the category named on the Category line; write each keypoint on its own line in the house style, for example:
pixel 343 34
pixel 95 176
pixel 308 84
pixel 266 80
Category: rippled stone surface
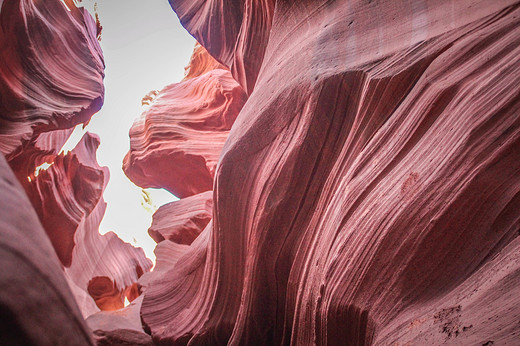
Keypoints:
pixel 51 79
pixel 51 69
pixel 369 188
pixel 183 220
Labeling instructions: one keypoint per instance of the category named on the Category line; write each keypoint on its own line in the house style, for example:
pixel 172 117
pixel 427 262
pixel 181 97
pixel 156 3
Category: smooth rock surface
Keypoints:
pixel 120 327
pixel 122 337
pixel 235 33
pixel 201 62
pixel 36 304
pixel 369 186
pixel 51 79
pixel 105 264
pixel 68 199
pixel 167 254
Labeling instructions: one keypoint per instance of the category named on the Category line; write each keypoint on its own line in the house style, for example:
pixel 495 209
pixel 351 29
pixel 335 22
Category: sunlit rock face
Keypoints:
pixel 235 33
pixel 177 141
pixel 51 69
pixel 369 190
pixel 102 265
pixel 200 63
pixel 105 266
pixel 65 193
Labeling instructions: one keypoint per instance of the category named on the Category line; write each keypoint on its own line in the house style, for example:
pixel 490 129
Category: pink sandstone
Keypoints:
pixel 368 192
pixel 51 78
pixel 103 265
pixel 177 141
pixel 36 304
pixel 51 69
pixel 362 158
pixel 183 220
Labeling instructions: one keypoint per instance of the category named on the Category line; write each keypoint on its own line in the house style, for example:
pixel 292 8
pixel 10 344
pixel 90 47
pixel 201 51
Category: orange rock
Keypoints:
pixel 200 63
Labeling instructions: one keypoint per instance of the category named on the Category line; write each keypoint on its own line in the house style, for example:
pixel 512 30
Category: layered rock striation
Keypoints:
pixel 349 173
pixel 36 305
pixel 51 69
pixel 103 265
pixel 176 142
pixel 368 192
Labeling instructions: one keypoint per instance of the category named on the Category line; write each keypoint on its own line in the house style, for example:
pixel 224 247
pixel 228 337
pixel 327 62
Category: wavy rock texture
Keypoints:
pixel 369 190
pixel 44 148
pixel 68 199
pixel 124 319
pixel 66 193
pixel 36 304
pixel 51 78
pixel 51 69
pixel 103 265
pixel 177 141
pixel 182 221
pixel 167 254
pixel 236 33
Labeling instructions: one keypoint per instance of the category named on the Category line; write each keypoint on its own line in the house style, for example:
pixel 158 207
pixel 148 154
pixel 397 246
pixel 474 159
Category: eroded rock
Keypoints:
pixel 177 141
pixel 368 183
pixel 51 69
pixel 183 220
pixel 36 304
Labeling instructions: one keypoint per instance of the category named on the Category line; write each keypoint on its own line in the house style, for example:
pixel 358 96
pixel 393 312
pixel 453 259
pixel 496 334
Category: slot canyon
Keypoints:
pixel 348 173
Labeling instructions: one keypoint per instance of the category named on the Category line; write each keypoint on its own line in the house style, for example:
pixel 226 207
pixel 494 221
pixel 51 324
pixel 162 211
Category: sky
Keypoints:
pixel 145 48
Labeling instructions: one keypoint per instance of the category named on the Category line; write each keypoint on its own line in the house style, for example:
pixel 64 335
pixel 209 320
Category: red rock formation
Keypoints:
pixel 369 190
pixel 36 305
pixel 103 265
pixel 236 33
pixel 167 254
pixel 176 143
pixel 121 327
pixel 42 149
pixel 68 199
pixel 65 193
pixel 51 69
pixel 183 220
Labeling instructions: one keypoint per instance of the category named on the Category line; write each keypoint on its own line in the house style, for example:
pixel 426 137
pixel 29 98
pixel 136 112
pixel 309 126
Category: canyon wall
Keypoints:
pixel 369 189
pixel 54 260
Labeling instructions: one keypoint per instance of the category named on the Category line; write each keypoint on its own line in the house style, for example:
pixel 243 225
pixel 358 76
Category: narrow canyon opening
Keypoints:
pixel 144 49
